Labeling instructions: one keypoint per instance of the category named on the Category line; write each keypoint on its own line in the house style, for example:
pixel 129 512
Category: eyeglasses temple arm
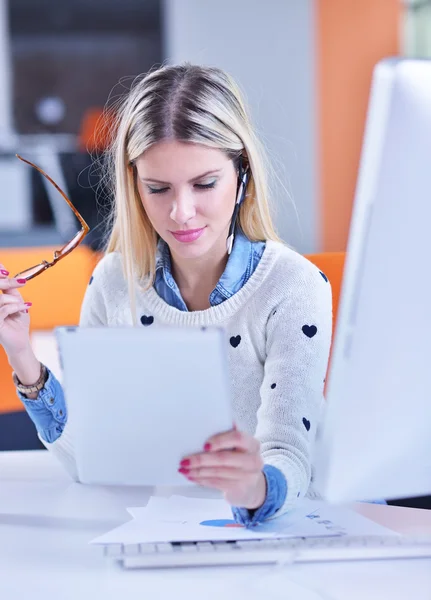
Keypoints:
pixel 42 172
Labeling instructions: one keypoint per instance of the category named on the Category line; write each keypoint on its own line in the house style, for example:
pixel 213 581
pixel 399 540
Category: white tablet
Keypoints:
pixel 139 400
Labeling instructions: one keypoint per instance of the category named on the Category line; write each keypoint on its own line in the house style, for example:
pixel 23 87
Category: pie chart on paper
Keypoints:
pixel 221 523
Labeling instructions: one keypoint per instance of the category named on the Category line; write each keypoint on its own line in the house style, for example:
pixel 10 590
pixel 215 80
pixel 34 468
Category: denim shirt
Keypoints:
pixel 242 262
pixel 48 410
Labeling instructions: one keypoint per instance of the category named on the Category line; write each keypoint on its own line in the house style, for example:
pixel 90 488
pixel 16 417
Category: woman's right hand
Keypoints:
pixel 14 318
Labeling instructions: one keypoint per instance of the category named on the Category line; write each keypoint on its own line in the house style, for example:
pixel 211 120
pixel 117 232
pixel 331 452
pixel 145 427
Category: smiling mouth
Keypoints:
pixel 188 236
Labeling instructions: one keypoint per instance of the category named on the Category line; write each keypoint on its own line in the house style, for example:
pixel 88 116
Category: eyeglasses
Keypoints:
pixel 67 249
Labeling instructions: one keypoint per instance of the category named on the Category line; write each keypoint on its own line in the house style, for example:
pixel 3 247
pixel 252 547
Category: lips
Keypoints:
pixel 191 235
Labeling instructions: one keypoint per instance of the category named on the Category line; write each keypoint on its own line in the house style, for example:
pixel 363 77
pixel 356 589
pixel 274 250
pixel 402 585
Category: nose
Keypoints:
pixel 183 208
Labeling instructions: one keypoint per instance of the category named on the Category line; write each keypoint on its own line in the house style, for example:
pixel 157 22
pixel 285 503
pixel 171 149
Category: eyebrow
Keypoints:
pixel 212 172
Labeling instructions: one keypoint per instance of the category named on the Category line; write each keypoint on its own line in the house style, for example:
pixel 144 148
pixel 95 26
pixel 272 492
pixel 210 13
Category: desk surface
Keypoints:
pixel 46 522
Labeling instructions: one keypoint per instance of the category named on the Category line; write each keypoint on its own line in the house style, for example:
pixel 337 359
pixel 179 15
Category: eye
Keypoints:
pixel 152 190
pixel 205 186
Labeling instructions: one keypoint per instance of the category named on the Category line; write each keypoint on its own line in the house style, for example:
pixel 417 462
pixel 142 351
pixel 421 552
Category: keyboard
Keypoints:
pixel 284 550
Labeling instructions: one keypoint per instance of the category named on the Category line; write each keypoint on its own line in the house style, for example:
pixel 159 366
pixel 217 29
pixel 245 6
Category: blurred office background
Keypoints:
pixel 304 65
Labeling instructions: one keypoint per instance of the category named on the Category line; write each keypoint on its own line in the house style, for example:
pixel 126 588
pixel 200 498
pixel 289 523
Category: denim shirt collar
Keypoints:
pixel 238 269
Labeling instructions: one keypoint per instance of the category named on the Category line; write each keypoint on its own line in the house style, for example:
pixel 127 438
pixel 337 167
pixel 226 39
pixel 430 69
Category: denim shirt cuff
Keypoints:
pixel 47 411
pixel 276 492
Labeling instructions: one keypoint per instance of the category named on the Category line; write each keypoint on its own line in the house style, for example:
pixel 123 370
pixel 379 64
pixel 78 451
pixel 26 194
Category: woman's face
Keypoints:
pixel 188 192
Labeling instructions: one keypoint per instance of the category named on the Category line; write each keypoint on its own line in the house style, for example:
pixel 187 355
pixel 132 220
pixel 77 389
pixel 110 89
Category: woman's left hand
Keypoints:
pixel 231 463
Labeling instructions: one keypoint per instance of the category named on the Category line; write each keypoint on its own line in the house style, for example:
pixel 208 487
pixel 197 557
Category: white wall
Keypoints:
pixel 268 46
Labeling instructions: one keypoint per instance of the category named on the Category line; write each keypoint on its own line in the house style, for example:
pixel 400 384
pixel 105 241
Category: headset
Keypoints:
pixel 243 179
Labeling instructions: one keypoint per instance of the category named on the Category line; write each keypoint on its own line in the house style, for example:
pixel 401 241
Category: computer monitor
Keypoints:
pixel 375 441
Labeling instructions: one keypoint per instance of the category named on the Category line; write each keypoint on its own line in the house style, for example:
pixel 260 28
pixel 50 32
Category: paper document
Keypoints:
pixel 181 519
pixel 184 519
pixel 198 509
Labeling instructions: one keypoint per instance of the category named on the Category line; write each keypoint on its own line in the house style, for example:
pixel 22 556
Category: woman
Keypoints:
pixel 188 180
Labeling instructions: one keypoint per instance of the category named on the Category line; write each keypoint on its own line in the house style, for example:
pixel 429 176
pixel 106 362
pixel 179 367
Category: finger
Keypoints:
pixel 11 295
pixel 4 273
pixel 10 309
pixel 224 458
pixel 9 299
pixel 218 484
pixel 11 286
pixel 232 439
pixel 225 473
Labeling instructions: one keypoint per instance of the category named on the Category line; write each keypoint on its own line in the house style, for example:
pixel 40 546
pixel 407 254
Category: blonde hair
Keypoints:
pixel 188 103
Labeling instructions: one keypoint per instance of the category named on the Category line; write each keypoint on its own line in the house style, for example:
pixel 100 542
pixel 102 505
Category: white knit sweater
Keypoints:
pixel 279 328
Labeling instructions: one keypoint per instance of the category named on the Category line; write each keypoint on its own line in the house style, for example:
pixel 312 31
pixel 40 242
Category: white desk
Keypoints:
pixel 46 522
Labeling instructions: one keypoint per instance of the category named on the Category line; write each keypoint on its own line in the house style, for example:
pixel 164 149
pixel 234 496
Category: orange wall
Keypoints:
pixel 352 35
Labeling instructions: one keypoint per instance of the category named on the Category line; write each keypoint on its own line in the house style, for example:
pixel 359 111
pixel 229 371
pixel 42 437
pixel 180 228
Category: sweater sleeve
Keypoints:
pixel 93 314
pixel 297 350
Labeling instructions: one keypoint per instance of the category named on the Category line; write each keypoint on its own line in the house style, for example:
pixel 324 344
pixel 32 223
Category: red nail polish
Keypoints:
pixel 28 303
pixel 183 471
pixel 22 280
pixel 185 463
pixel 207 447
pixel 3 272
